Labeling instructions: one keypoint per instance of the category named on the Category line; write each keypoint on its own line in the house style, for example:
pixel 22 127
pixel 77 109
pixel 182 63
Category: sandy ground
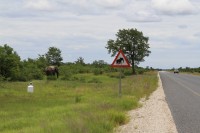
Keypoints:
pixel 153 117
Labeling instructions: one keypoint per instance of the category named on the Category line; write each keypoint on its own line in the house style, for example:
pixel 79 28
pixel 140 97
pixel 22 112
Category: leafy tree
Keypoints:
pixel 53 56
pixel 133 43
pixel 9 62
pixel 80 60
pixel 42 62
pixel 30 70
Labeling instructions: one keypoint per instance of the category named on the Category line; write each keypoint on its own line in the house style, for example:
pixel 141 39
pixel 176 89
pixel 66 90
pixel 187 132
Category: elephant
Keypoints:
pixel 52 70
pixel 120 60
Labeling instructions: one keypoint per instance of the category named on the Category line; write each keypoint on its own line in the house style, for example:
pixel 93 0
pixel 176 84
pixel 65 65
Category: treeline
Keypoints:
pixel 188 69
pixel 12 68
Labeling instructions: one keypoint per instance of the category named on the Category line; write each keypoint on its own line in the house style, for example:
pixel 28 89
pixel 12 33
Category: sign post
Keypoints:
pixel 120 83
pixel 120 61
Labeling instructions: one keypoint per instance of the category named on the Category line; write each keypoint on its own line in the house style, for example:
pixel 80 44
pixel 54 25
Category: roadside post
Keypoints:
pixel 120 61
pixel 30 88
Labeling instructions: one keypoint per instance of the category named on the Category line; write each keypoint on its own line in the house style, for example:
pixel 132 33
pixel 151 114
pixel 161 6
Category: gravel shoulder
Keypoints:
pixel 153 117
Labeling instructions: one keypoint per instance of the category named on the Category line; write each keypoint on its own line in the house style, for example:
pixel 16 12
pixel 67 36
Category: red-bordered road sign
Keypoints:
pixel 120 60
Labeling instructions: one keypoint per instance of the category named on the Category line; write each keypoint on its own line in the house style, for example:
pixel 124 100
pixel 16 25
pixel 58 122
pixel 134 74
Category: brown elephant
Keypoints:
pixel 52 70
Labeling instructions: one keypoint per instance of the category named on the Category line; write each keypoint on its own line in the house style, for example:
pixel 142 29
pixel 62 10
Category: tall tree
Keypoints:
pixel 41 62
pixel 133 43
pixel 53 56
pixel 9 62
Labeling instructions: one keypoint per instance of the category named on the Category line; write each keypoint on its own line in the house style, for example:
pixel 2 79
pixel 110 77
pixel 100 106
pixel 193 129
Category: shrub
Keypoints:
pixel 98 72
pixel 140 71
pixel 2 78
pixel 67 76
pixel 128 72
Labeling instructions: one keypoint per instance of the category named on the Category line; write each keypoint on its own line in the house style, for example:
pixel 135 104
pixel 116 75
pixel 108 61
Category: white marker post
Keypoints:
pixel 30 88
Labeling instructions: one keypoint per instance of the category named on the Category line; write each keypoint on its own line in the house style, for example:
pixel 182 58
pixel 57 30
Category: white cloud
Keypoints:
pixel 77 47
pixel 142 16
pixel 182 26
pixel 110 3
pixel 96 3
pixel 174 7
pixel 38 4
pixel 89 7
pixel 140 11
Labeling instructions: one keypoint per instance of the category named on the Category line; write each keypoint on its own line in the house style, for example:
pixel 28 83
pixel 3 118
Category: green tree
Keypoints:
pixel 30 70
pixel 9 62
pixel 53 56
pixel 80 61
pixel 133 43
pixel 42 62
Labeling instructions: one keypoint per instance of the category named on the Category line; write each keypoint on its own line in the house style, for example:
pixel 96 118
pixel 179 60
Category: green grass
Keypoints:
pixel 89 104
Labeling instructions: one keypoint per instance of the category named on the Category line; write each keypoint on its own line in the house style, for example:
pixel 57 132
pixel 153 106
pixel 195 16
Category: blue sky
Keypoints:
pixel 81 28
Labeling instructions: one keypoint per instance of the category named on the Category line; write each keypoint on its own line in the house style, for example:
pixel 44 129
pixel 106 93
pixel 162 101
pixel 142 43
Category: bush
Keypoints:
pixel 128 72
pixel 140 71
pixel 28 75
pixel 23 78
pixel 98 72
pixel 67 75
pixel 37 75
pixel 2 78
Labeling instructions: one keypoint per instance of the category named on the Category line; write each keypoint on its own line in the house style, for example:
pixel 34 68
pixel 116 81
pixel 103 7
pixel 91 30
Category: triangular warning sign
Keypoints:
pixel 120 60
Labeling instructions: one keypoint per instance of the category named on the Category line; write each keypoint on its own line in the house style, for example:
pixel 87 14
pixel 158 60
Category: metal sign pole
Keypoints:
pixel 120 83
pixel 120 61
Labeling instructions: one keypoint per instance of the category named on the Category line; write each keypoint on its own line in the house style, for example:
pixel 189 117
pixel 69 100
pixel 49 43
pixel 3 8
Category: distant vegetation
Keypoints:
pixel 12 68
pixel 188 69
pixel 131 41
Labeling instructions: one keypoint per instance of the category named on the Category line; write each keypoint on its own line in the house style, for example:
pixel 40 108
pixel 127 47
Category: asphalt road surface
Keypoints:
pixel 183 97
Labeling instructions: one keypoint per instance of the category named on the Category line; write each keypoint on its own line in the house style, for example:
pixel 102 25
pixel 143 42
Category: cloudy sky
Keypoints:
pixel 81 28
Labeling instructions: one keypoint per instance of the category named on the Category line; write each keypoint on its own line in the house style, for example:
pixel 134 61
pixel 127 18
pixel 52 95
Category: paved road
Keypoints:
pixel 183 96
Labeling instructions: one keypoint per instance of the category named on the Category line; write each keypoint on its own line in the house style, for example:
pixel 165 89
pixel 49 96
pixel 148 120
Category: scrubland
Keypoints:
pixel 88 104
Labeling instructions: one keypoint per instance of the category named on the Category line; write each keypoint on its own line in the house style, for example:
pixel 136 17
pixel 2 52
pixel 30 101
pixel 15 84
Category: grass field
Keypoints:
pixel 89 104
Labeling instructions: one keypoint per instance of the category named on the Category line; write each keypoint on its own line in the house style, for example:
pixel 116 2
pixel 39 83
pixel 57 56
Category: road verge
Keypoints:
pixel 153 117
